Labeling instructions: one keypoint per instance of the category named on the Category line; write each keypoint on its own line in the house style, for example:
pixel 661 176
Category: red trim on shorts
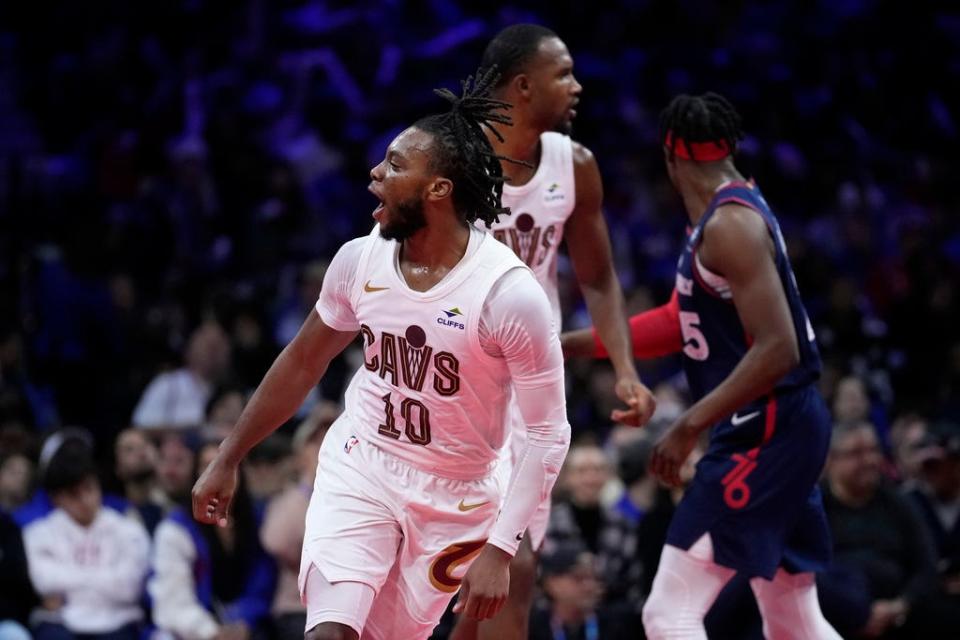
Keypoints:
pixel 771 423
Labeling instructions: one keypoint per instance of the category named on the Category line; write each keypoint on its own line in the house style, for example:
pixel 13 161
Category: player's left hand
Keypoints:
pixel 484 588
pixel 672 450
pixel 638 398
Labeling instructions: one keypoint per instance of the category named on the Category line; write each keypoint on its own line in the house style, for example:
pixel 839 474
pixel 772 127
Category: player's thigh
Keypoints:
pixel 333 609
pixel 440 542
pixel 352 532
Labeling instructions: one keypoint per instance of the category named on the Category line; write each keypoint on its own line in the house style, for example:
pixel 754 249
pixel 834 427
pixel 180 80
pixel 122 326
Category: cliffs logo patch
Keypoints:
pixel 453 316
pixel 554 193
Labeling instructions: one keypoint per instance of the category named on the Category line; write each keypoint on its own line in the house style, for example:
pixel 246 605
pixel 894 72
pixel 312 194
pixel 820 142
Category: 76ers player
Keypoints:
pixel 751 361
pixel 555 196
pixel 406 503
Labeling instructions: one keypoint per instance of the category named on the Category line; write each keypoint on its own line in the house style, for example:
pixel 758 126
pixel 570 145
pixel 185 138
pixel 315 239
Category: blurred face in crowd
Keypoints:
pixel 579 588
pixel 136 457
pixel 175 469
pixel 224 414
pixel 588 471
pixel 208 352
pixel 855 459
pixel 16 472
pixel 907 435
pixel 81 502
pixel 850 402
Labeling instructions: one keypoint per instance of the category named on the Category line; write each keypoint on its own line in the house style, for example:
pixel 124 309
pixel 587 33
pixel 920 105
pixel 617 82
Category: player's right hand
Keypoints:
pixel 213 492
pixel 484 588
pixel 638 398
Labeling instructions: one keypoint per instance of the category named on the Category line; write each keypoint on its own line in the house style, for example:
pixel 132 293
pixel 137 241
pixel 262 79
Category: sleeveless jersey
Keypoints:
pixel 539 210
pixel 714 339
pixel 427 393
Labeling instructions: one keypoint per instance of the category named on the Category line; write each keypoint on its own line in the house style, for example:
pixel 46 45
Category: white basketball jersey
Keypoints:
pixel 427 392
pixel 539 209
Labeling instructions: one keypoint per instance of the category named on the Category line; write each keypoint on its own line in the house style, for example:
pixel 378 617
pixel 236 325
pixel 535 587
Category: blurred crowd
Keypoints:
pixel 175 175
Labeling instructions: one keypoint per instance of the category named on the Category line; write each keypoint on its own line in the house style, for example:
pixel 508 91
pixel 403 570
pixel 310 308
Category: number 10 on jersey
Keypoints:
pixel 416 428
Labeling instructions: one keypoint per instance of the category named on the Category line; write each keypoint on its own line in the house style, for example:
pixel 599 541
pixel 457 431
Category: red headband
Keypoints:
pixel 698 151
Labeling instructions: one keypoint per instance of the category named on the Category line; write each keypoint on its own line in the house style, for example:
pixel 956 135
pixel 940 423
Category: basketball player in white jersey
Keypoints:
pixel 407 508
pixel 555 195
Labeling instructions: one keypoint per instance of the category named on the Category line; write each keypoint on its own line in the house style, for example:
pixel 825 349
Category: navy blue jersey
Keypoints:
pixel 714 339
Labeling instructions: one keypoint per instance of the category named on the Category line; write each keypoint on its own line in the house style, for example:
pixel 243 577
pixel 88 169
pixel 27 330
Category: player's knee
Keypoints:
pixel 656 616
pixel 331 631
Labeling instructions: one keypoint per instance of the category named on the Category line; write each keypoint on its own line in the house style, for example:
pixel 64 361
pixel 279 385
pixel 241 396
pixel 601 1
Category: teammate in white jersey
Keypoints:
pixel 406 507
pixel 555 195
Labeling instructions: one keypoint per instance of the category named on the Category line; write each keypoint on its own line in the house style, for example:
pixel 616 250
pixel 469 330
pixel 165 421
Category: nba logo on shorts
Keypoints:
pixel 351 442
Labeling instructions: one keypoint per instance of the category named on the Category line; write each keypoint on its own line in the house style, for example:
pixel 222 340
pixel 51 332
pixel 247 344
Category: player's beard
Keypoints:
pixel 565 127
pixel 406 218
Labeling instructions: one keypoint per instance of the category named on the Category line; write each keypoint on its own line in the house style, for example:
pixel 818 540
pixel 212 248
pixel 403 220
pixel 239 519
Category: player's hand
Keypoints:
pixel 672 450
pixel 638 398
pixel 213 492
pixel 484 589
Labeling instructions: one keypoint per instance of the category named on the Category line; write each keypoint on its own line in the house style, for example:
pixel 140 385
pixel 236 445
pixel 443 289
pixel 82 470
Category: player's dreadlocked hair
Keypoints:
pixel 512 48
pixel 462 152
pixel 706 118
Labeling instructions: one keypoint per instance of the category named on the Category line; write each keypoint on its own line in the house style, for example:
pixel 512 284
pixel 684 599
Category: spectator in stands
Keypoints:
pixel 16 480
pixel 269 468
pixel 571 582
pixel 211 582
pixel 851 402
pixel 283 525
pixel 906 438
pixel 880 544
pixel 937 497
pixel 223 410
pixel 135 465
pixel 178 399
pixel 580 517
pixel 176 468
pixel 87 562
pixel 17 596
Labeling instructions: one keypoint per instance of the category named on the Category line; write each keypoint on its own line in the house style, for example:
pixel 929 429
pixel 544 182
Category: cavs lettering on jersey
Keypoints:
pixel 427 391
pixel 539 210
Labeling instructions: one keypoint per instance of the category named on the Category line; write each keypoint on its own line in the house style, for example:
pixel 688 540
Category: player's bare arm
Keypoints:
pixel 737 245
pixel 588 243
pixel 296 370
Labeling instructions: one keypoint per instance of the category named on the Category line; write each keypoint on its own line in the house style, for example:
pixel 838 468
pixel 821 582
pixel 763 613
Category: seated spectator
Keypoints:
pixel 938 500
pixel 17 596
pixel 211 582
pixel 176 468
pixel 851 401
pixel 571 582
pixel 16 480
pixel 580 517
pixel 283 526
pixel 136 469
pixel 639 488
pixel 883 572
pixel 87 562
pixel 178 399
pixel 906 438
pixel 269 468
pixel 223 410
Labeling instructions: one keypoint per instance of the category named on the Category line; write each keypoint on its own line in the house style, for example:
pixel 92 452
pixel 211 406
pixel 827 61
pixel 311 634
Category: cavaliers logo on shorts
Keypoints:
pixel 443 566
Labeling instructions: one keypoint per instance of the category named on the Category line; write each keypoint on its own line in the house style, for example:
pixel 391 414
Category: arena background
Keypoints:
pixel 166 165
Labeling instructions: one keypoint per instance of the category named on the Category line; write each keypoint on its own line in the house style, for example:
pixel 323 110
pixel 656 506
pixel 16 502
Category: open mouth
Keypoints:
pixel 378 211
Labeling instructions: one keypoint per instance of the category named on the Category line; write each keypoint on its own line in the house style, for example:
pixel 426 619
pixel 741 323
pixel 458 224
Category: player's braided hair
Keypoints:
pixel 462 152
pixel 706 118
pixel 512 48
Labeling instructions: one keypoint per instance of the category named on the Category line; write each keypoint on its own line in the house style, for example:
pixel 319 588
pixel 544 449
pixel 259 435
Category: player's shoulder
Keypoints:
pixel 498 253
pixel 582 155
pixel 738 219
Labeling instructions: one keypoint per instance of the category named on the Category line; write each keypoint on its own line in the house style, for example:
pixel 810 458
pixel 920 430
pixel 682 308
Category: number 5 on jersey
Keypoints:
pixel 417 432
pixel 695 344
